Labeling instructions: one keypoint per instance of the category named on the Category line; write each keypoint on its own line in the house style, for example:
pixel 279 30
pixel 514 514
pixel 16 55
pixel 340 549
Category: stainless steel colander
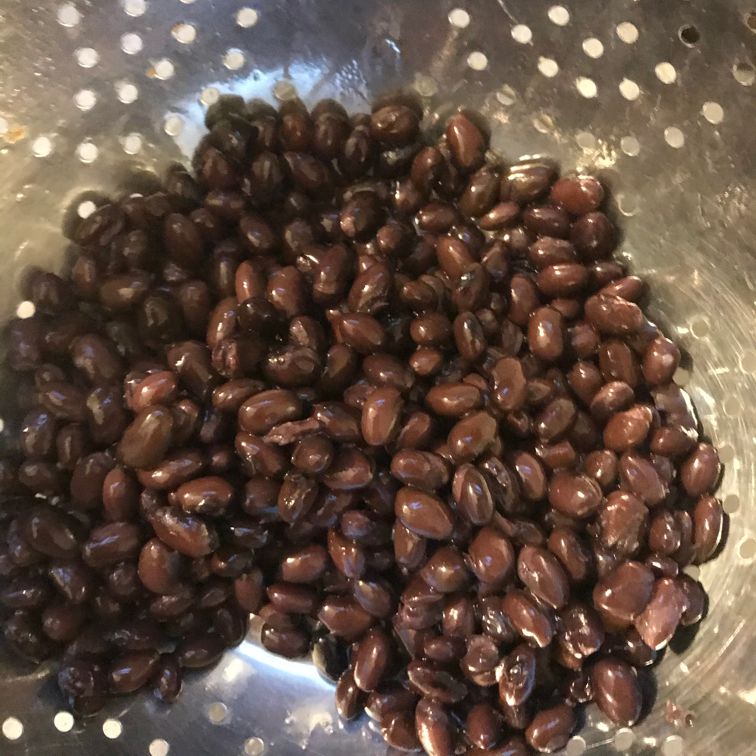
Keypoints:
pixel 657 98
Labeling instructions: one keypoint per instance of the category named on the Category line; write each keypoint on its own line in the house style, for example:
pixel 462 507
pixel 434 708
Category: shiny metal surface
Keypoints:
pixel 96 95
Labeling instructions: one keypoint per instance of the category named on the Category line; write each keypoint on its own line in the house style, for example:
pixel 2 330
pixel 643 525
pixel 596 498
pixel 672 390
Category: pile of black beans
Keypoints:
pixel 392 396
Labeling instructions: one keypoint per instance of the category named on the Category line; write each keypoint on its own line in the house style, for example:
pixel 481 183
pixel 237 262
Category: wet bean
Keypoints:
pixel 623 594
pixel 617 691
pixel 423 514
pixel 699 472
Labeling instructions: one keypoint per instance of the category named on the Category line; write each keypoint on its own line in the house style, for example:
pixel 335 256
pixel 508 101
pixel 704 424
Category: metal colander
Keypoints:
pixel 657 98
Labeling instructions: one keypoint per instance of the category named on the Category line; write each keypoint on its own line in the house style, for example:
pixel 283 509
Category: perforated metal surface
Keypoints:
pixel 658 98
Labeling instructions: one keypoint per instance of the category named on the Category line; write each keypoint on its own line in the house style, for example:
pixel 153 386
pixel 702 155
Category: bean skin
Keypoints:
pixel 545 334
pixel 371 660
pixel 660 361
pixel 700 470
pixel 434 728
pixel 708 523
pixel 52 533
pixel 574 495
pixel 131 671
pixel 160 568
pixel 305 565
pixel 471 436
pixel 623 594
pixel 617 690
pixel 345 617
pixel 349 697
pixel 423 514
pixel 657 623
pixel 453 400
pixel 148 438
pixel 199 651
pixel 518 676
pixel 111 543
pixel 541 572
pixel 420 469
pixel 528 619
pixel 612 315
pixel 380 416
pixel 551 728
pixel 186 533
pixel 347 555
pixel 472 495
pixel 466 142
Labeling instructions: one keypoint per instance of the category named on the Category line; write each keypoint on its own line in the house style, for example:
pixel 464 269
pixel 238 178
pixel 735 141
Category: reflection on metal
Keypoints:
pixel 680 154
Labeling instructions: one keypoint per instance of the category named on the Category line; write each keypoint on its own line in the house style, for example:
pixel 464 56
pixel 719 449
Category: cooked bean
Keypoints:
pixel 628 429
pixel 611 398
pixel 612 315
pixel 53 533
pixel 423 514
pixel 574 495
pixel 518 676
pixel 528 619
pixel 160 567
pixel 472 495
pixel 208 496
pixel 74 580
pixel 580 632
pixel 420 469
pixel 623 594
pixel 623 521
pixel 551 728
pixel 176 468
pixel 545 334
pixel 660 361
pixel 466 142
pixel 350 470
pixel 542 574
pixel 453 399
pixel 148 438
pixel 657 623
pixel 131 671
pixel 555 419
pixel 699 472
pixel 344 617
pixel 64 401
pixel 445 571
pixel 579 194
pixel 289 598
pixel 471 436
pixel 200 651
pixel 640 476
pixel 708 522
pixel 380 416
pixel 186 533
pixel 617 691
pixel 84 684
pixel 573 554
pixel 371 660
pixel 111 543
